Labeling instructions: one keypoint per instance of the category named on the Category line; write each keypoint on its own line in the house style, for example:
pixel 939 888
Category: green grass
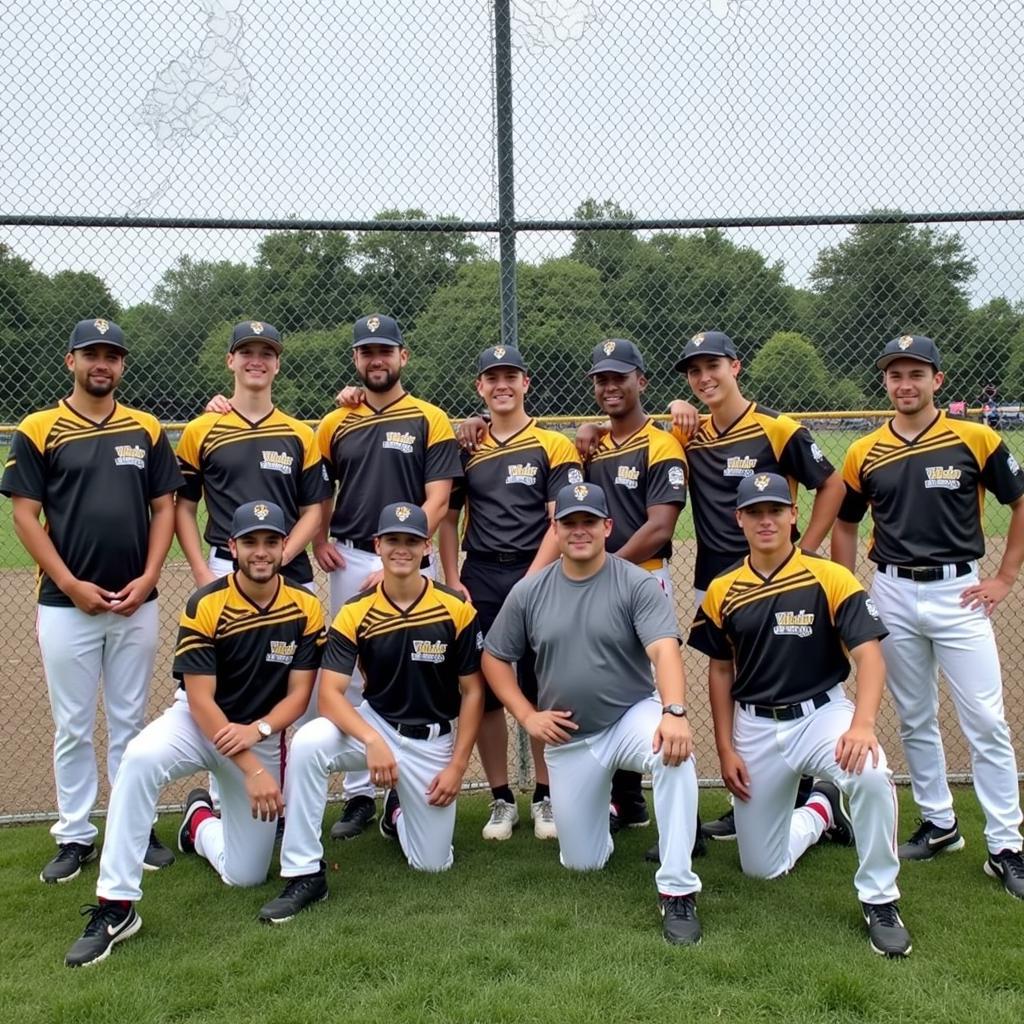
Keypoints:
pixel 508 935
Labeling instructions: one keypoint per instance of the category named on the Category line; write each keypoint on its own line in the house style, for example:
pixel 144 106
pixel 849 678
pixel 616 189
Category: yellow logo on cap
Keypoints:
pixel 499 352
pixel 373 323
pixel 762 481
pixel 905 342
pixel 402 513
pixel 255 326
pixel 580 492
pixel 698 339
pixel 261 512
pixel 101 325
pixel 608 347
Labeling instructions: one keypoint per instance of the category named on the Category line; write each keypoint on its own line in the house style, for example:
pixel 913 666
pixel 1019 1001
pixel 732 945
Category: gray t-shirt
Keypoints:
pixel 589 637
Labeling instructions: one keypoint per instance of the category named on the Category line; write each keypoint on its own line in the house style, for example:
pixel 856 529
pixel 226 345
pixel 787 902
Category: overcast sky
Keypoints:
pixel 320 109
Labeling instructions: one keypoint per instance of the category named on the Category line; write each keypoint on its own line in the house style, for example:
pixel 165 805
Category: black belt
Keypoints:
pixel 419 732
pixel 925 573
pixel 786 712
pixel 359 545
pixel 224 553
pixel 502 557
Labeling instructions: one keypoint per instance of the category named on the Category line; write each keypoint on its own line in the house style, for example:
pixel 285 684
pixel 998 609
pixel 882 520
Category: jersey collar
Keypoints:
pixel 405 611
pixel 917 437
pixel 85 419
pixel 777 570
pixel 715 433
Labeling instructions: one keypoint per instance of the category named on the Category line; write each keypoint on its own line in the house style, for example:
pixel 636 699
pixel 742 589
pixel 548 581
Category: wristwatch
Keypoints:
pixel 263 728
pixel 676 710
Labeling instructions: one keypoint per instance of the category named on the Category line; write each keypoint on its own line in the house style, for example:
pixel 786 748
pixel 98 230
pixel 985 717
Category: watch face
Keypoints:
pixel 264 729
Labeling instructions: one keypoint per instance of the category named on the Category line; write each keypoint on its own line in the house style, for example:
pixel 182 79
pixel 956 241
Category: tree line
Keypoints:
pixel 802 348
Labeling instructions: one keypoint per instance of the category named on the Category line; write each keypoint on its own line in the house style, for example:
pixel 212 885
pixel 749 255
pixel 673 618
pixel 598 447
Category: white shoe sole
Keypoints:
pixel 952 848
pixel 992 873
pixel 291 917
pixel 68 878
pixel 120 937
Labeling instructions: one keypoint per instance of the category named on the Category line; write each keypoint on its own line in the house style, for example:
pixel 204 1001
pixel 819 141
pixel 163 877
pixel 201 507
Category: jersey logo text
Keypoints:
pixel 739 465
pixel 522 473
pixel 130 455
pixel 280 462
pixel 942 476
pixel 799 623
pixel 399 441
pixel 627 476
pixel 429 650
pixel 282 651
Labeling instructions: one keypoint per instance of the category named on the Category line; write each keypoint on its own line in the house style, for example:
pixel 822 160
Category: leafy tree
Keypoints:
pixel 607 251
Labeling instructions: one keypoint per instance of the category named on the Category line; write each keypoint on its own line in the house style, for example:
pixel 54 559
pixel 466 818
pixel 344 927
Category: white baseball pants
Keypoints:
pixel 319 748
pixel 77 649
pixel 238 846
pixel 581 774
pixel 345 583
pixel 772 836
pixel 928 630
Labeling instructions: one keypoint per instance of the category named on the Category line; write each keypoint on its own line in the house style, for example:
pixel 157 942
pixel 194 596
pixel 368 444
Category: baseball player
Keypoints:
pixel 249 449
pixel 419 644
pixel 777 629
pixel 104 477
pixel 508 493
pixel 388 447
pixel 248 649
pixel 596 623
pixel 924 477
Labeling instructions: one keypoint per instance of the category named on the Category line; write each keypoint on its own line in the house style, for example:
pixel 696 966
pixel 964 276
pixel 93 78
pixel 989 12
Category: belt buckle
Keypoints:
pixel 777 712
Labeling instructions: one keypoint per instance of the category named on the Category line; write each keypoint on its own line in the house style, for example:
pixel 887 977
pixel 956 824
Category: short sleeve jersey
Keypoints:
pixel 378 456
pixel 95 482
pixel 648 468
pixel 590 638
pixel 789 633
pixel 507 487
pixel 927 494
pixel 759 441
pixel 231 460
pixel 411 658
pixel 250 650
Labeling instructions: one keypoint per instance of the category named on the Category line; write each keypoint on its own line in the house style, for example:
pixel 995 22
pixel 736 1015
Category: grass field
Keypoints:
pixel 508 935
pixel 833 442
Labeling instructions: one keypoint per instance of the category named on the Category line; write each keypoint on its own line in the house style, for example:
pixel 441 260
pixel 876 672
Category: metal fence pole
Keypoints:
pixel 506 169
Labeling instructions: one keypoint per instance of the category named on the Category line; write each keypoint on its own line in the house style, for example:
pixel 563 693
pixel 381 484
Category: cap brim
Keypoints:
pixel 495 366
pixel 260 526
pixel 613 366
pixel 378 341
pixel 409 531
pixel 601 513
pixel 257 337
pixel 680 365
pixel 883 361
pixel 767 499
pixel 97 341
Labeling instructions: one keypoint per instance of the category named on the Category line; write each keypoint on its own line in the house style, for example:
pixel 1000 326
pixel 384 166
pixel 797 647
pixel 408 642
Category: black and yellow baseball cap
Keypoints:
pixel 706 343
pixel 615 355
pixel 258 515
pixel 760 487
pixel 499 355
pixel 910 346
pixel 377 329
pixel 581 498
pixel 96 332
pixel 255 330
pixel 403 517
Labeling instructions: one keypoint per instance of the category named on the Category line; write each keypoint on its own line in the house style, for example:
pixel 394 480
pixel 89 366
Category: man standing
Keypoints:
pixel 924 477
pixel 596 623
pixel 419 644
pixel 508 494
pixel 642 471
pixel 246 450
pixel 777 629
pixel 247 654
pixel 104 477
pixel 389 447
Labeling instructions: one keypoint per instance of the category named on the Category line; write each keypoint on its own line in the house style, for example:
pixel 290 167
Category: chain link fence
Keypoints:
pixel 813 178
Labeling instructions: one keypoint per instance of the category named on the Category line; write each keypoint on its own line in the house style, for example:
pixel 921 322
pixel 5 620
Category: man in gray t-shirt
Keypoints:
pixel 596 625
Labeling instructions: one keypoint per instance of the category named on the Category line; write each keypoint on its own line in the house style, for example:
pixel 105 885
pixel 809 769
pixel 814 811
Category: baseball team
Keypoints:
pixel 559 612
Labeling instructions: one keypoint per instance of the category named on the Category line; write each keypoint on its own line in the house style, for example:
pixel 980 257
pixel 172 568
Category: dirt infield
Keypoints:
pixel 26 730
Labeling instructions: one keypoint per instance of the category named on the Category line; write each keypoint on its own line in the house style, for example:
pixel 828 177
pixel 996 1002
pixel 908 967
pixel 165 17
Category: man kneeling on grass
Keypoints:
pixel 418 644
pixel 779 629
pixel 596 624
pixel 248 650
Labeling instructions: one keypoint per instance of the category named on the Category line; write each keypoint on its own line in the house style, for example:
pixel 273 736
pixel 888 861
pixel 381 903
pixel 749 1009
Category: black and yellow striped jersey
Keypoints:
pixel 507 487
pixel 787 634
pixel 759 441
pixel 95 482
pixel 411 659
pixel 250 650
pixel 230 461
pixel 648 468
pixel 385 455
pixel 927 494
